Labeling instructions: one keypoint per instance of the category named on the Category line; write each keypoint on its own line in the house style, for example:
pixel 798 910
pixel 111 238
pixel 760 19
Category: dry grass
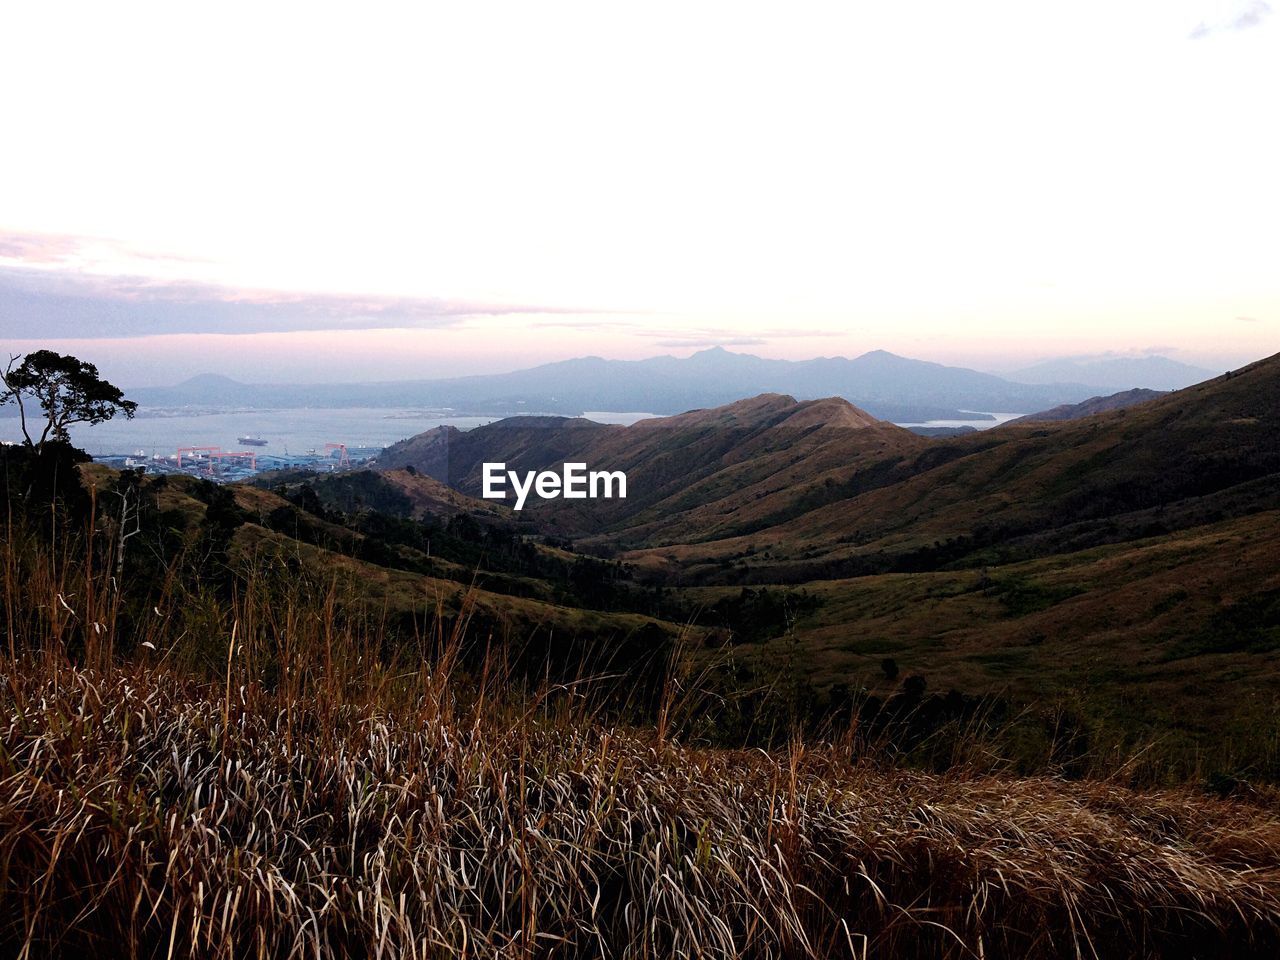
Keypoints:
pixel 143 815
pixel 258 776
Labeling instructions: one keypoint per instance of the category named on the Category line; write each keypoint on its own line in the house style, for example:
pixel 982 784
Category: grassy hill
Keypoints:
pixel 695 476
pixel 1120 566
pixel 820 489
pixel 1087 408
pixel 1208 452
pixel 411 579
pixel 1170 643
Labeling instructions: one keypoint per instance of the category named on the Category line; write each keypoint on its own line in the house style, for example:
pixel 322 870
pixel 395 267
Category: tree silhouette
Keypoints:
pixel 67 389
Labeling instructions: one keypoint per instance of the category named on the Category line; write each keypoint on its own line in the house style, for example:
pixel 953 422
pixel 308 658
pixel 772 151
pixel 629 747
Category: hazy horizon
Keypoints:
pixel 741 351
pixel 430 192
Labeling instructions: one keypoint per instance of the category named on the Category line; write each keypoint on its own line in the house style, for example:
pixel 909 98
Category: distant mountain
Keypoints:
pixel 210 388
pixel 887 386
pixel 1074 411
pixel 1116 373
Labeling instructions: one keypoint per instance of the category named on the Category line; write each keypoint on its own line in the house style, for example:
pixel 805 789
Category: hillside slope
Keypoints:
pixel 1208 452
pixel 1172 639
pixel 694 476
pixel 407 589
pixel 1086 408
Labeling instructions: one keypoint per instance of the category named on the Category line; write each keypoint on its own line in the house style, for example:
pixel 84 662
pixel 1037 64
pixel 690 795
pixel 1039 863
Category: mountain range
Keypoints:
pixel 1115 374
pixel 887 386
pixel 1124 560
pixel 1117 567
pixel 821 487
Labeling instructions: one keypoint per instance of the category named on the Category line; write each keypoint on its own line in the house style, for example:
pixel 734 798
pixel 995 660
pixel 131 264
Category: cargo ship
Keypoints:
pixel 252 441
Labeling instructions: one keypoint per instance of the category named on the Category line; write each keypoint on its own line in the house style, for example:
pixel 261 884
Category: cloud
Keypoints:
pixel 56 304
pixel 1129 354
pixel 70 251
pixel 38 248
pixel 1252 15
pixel 719 337
pixel 591 323
pixel 1242 16
pixel 712 342
pixel 55 286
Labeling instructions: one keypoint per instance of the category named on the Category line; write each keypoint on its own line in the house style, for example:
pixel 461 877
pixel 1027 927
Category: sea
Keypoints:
pixel 983 424
pixel 287 431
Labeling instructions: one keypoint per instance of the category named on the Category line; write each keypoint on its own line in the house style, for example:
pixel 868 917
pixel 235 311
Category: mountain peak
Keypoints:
pixel 210 380
pixel 714 353
pixel 831 412
pixel 738 413
pixel 774 409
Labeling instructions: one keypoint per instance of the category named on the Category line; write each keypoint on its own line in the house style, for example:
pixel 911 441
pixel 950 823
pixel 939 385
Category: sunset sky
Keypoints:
pixel 310 192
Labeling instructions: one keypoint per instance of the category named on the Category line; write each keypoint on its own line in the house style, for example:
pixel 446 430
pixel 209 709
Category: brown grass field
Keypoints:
pixel 146 815
pixel 260 778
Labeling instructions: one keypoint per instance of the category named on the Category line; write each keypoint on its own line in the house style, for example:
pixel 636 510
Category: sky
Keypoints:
pixel 310 192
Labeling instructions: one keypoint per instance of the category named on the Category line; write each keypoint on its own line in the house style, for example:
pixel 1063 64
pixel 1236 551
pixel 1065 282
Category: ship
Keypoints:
pixel 252 441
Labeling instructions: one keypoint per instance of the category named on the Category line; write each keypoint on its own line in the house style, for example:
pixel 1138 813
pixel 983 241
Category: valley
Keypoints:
pixel 1120 565
pixel 1058 639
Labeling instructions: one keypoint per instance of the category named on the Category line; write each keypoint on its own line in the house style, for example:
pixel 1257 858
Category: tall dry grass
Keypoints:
pixel 256 775
pixel 146 815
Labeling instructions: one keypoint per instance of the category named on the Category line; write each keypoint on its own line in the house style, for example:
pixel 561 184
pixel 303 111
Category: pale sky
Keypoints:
pixel 304 192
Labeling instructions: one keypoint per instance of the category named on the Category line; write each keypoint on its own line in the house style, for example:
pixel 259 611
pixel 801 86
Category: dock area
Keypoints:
pixel 231 466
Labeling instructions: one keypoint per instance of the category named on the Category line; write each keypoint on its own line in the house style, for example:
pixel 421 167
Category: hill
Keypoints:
pixel 1166 643
pixel 691 477
pixel 402 550
pixel 1074 411
pixel 1122 563
pixel 454 456
pixel 1031 489
pixel 824 489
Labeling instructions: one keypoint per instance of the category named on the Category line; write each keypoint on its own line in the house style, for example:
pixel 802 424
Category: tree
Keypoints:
pixel 128 487
pixel 68 390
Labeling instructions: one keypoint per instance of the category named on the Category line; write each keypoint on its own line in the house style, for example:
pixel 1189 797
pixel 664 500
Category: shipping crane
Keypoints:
pixel 196 453
pixel 343 459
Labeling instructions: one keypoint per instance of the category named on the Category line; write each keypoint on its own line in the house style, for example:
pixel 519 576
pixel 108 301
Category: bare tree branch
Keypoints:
pixel 11 391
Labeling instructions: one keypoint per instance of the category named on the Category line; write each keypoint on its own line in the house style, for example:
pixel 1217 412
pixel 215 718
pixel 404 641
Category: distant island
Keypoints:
pixel 888 386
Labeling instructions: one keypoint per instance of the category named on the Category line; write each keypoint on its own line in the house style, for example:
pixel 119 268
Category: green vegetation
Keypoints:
pixel 1021 596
